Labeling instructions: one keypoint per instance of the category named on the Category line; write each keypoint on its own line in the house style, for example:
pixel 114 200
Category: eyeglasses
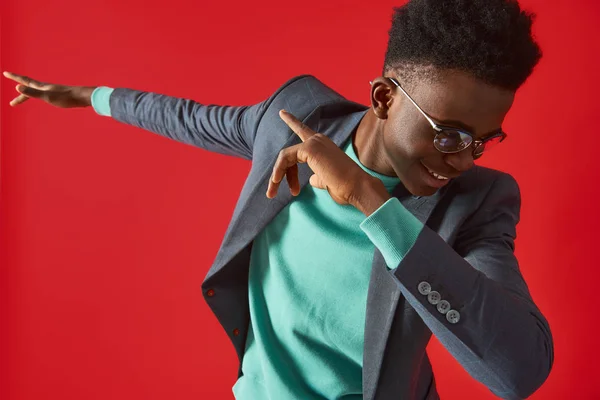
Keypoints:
pixel 453 140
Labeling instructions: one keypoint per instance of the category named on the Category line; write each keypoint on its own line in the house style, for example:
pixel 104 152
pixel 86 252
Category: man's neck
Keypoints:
pixel 368 144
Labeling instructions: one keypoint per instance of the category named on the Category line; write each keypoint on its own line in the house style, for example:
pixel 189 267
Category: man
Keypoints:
pixel 332 290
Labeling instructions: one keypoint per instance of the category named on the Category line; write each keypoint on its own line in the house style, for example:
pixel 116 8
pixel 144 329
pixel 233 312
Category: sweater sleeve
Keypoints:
pixel 393 230
pixel 100 100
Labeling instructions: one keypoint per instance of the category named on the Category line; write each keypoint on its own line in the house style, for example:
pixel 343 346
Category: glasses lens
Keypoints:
pixel 452 141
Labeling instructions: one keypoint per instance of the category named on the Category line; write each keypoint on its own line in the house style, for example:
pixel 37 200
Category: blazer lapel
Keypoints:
pixel 384 296
pixel 257 210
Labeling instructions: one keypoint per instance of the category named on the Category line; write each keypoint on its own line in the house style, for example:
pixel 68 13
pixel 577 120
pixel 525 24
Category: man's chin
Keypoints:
pixel 416 182
pixel 422 190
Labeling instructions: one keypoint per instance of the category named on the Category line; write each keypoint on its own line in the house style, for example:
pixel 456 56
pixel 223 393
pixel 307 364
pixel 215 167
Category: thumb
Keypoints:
pixel 316 181
pixel 30 92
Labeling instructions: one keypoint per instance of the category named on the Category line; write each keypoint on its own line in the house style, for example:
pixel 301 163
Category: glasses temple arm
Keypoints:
pixel 433 124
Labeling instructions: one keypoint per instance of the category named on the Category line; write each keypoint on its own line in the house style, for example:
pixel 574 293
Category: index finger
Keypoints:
pixel 296 125
pixel 24 80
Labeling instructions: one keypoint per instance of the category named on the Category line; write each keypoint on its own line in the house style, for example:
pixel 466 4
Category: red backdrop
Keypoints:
pixel 107 231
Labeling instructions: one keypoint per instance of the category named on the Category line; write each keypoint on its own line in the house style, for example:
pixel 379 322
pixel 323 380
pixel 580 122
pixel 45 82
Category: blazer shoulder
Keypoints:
pixel 481 185
pixel 483 177
pixel 302 94
pixel 311 87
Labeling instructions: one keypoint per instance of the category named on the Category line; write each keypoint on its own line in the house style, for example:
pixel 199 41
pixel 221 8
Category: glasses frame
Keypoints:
pixel 477 143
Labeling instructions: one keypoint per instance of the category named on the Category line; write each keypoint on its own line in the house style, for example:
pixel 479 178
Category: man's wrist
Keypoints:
pixel 84 95
pixel 371 195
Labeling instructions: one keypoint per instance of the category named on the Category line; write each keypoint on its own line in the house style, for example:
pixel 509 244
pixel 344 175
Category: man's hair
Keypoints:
pixel 489 39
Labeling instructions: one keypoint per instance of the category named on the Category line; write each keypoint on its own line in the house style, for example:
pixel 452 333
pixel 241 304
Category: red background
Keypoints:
pixel 107 231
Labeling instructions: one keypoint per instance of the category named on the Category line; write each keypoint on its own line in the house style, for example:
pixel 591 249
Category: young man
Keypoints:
pixel 332 289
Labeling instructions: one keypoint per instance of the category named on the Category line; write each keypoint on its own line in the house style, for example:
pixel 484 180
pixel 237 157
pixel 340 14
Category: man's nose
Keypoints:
pixel 461 161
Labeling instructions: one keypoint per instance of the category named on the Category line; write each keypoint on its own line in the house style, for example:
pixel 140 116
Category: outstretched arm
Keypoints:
pixel 222 129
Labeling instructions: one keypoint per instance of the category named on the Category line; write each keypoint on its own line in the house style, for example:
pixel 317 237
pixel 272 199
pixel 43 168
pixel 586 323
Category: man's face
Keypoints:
pixel 457 100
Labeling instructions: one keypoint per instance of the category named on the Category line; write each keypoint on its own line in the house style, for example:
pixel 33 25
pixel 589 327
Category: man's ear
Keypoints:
pixel 381 96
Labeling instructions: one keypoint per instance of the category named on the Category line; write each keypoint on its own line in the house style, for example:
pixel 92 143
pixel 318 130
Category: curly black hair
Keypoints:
pixel 489 39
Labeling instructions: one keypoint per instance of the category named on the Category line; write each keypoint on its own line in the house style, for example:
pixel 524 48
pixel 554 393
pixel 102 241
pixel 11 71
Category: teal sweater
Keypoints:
pixel 308 280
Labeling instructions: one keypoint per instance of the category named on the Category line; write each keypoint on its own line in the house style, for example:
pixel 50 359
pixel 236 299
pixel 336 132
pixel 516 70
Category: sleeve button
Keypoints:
pixel 453 316
pixel 434 297
pixel 443 307
pixel 424 288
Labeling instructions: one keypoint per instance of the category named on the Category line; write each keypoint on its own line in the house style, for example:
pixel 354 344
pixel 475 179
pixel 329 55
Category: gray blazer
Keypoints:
pixel 465 251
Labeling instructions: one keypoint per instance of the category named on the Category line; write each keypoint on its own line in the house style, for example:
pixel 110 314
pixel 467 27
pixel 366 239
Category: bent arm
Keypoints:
pixel 496 332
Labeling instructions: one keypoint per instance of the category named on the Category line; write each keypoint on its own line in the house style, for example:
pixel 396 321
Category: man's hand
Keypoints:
pixel 57 95
pixel 334 171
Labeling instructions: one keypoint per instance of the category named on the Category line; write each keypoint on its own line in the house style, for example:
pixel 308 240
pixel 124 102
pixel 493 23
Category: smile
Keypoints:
pixel 436 175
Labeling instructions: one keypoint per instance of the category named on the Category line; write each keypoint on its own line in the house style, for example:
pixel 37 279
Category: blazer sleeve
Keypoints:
pixel 228 130
pixel 495 330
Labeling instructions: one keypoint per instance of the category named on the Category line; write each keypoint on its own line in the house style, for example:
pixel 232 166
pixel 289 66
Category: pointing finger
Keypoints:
pixel 296 125
pixel 24 80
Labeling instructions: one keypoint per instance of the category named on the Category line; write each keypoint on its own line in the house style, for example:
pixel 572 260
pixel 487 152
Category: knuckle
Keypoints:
pixel 312 145
pixel 280 157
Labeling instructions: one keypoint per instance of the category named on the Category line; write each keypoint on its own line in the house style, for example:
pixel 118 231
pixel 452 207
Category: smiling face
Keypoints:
pixel 453 99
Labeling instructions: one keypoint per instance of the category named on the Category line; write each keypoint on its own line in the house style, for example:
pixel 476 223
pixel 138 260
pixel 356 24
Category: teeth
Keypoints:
pixel 438 176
